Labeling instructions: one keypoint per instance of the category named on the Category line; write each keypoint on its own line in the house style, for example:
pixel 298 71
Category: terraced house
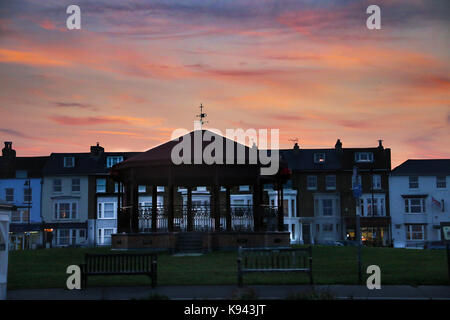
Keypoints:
pixel 324 204
pixel 77 208
pixel 20 185
pixel 420 201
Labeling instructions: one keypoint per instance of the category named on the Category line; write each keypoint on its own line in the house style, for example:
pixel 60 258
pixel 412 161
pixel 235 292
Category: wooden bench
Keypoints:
pixel 119 264
pixel 274 260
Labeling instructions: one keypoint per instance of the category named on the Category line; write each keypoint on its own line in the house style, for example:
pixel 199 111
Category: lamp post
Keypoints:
pixel 357 191
pixel 28 200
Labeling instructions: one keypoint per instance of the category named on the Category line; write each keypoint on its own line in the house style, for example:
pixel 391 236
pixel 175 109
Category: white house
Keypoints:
pixel 419 192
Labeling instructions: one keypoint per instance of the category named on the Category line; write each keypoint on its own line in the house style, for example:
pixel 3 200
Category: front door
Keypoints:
pixel 306 232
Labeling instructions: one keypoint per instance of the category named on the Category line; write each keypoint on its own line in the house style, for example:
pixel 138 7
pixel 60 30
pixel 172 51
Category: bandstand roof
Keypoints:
pixel 155 166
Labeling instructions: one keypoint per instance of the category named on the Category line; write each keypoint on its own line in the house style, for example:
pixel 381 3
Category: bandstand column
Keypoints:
pixel 154 208
pixel 121 214
pixel 256 206
pixel 280 208
pixel 190 218
pixel 228 207
pixel 216 206
pixel 170 207
pixel 134 218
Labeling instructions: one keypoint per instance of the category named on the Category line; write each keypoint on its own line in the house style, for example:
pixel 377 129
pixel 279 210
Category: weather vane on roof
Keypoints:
pixel 202 115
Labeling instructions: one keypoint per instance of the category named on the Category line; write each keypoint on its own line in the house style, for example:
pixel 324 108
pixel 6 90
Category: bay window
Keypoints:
pixel 65 210
pixel 414 205
pixel 415 232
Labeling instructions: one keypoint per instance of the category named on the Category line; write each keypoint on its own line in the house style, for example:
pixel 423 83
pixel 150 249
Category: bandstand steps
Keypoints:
pixel 190 242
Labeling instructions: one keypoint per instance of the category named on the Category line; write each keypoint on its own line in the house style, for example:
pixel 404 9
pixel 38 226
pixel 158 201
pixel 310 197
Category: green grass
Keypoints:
pixel 331 265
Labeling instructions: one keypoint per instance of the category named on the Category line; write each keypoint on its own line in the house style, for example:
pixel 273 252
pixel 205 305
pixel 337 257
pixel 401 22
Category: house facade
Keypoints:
pixel 79 206
pixel 325 206
pixel 20 185
pixel 419 200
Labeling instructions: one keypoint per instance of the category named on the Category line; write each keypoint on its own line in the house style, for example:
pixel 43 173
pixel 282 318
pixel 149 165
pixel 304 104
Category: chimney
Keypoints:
pixel 296 148
pixel 338 145
pixel 8 152
pixel 380 144
pixel 97 150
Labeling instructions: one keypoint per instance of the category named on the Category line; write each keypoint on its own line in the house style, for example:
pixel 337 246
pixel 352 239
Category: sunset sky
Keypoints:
pixel 137 70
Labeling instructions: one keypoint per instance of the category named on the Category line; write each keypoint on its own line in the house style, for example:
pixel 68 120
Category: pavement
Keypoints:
pixel 392 292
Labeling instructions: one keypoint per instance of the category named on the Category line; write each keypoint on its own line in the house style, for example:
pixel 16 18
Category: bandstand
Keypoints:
pixel 220 225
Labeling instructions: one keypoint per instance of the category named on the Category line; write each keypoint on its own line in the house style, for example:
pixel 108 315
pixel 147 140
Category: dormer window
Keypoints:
pixel 110 161
pixel 69 162
pixel 319 157
pixel 363 157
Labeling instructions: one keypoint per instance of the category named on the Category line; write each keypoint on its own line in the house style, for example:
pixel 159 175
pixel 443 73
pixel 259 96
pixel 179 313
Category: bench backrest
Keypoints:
pixel 275 259
pixel 119 263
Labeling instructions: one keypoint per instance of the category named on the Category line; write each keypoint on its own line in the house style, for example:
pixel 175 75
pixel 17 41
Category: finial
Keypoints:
pixel 202 115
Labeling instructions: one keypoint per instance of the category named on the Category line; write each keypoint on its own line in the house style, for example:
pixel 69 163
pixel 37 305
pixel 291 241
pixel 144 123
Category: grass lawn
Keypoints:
pixel 331 265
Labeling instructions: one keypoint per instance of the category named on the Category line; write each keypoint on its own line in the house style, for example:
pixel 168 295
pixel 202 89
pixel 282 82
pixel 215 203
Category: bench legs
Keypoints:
pixel 154 269
pixel 240 275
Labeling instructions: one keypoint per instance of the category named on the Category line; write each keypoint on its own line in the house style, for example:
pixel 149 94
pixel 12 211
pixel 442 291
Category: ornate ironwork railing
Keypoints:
pixel 203 218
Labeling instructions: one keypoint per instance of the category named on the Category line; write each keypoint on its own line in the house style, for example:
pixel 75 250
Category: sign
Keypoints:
pixel 357 191
pixel 445 231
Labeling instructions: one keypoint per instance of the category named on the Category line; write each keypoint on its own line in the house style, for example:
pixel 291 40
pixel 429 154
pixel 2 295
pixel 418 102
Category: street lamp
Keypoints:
pixel 357 191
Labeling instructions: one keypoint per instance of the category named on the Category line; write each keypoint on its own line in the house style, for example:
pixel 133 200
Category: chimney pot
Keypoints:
pixel 8 152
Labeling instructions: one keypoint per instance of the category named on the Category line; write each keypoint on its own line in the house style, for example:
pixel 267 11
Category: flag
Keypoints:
pixel 436 202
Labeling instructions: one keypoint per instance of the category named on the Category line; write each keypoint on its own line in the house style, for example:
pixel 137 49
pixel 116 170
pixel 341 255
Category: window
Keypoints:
pixel 101 185
pixel 363 157
pixel 244 188
pixel 21 174
pixel 327 207
pixel 75 185
pixel 415 205
pixel 27 195
pixel 82 233
pixel 69 162
pixel 319 157
pixel 330 182
pixel 9 194
pixel 20 216
pixel 441 182
pixel 104 235
pixel 160 189
pixel 57 185
pixel 376 182
pixel 311 182
pixel 110 161
pixel 375 209
pixel 106 210
pixel 328 227
pixel 63 237
pixel 116 187
pixel 413 182
pixel 65 210
pixel 201 188
pixel 415 232
pixel 285 207
pixel 142 189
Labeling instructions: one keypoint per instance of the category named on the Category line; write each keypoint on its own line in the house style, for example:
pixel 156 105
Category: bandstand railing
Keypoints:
pixel 203 218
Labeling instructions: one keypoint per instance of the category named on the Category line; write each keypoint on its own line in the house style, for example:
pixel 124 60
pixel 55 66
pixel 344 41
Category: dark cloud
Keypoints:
pixel 72 105
pixel 15 133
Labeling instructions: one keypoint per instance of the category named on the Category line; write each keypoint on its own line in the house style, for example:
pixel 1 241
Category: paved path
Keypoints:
pixel 227 292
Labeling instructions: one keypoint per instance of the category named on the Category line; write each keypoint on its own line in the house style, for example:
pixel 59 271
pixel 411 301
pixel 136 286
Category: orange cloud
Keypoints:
pixel 30 58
